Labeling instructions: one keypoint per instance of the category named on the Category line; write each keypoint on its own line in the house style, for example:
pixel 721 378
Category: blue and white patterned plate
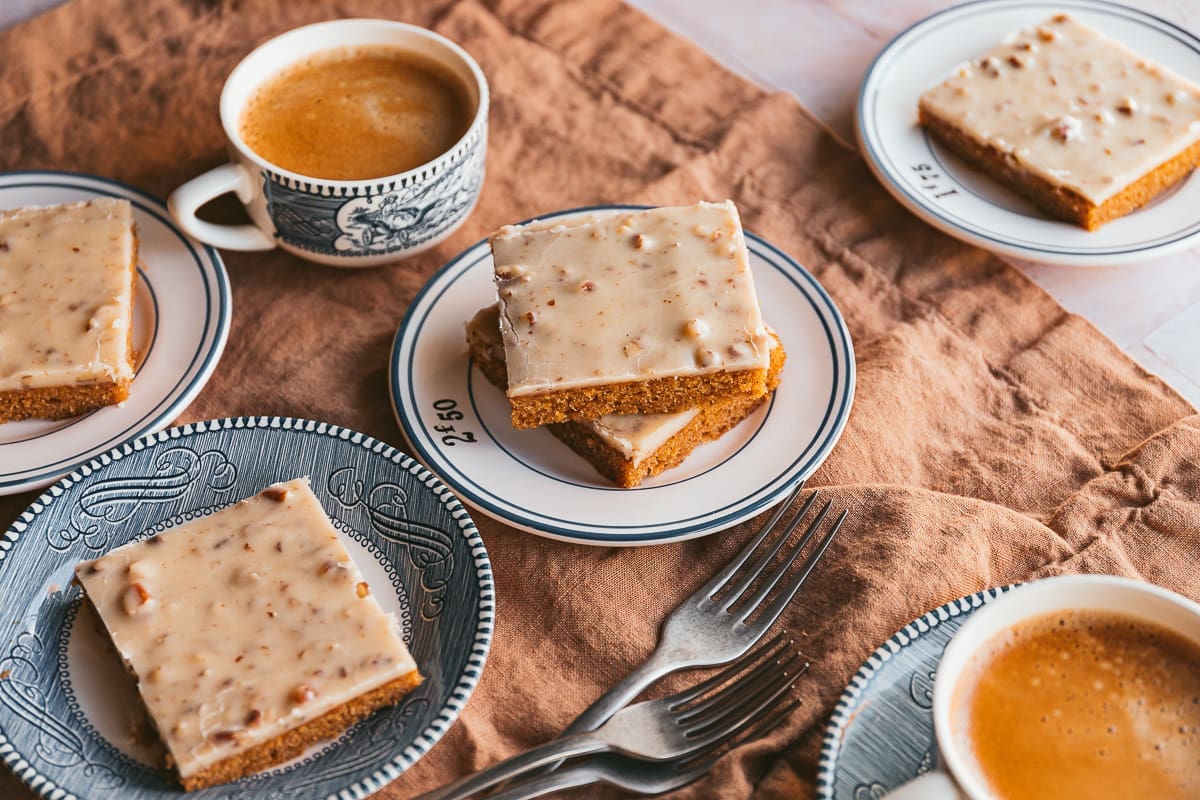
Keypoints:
pixel 181 321
pixel 68 714
pixel 460 425
pixel 942 190
pixel 881 732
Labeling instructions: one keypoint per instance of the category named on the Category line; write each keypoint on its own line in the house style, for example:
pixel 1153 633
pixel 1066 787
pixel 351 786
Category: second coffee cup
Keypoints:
pixel 1075 686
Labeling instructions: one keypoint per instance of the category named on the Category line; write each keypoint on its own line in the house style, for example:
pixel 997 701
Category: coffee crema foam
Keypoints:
pixel 355 113
pixel 1083 704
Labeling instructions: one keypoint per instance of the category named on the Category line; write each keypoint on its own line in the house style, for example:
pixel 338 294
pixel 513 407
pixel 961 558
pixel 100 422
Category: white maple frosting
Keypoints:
pixel 244 624
pixel 637 436
pixel 627 296
pixel 1071 106
pixel 66 294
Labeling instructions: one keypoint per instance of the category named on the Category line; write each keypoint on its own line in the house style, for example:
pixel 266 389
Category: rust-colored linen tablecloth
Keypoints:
pixel 994 437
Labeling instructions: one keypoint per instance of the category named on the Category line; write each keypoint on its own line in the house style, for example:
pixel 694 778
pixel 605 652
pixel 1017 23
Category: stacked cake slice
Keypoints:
pixel 633 336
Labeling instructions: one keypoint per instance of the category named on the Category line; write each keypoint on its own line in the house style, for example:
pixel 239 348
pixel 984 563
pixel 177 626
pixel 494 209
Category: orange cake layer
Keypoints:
pixel 663 395
pixel 60 402
pixel 627 449
pixel 251 634
pixel 1076 122
pixel 1056 200
pixel 67 278
pixel 628 312
pixel 292 743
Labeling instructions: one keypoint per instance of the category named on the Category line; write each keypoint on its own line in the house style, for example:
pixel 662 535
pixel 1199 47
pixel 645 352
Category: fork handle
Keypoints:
pixel 619 696
pixel 551 752
pixel 568 777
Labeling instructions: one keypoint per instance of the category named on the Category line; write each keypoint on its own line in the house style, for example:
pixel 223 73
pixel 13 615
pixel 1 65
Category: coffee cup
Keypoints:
pixel 959 773
pixel 341 222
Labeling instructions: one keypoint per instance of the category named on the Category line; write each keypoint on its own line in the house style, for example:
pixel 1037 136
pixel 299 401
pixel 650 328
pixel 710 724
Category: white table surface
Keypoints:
pixel 819 49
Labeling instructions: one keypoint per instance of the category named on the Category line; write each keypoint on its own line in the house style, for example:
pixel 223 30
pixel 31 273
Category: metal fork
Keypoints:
pixel 643 777
pixel 676 726
pixel 703 631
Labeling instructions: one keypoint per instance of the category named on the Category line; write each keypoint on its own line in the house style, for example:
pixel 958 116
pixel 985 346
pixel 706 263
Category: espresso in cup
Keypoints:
pixel 354 113
pixel 1090 704
pixel 352 143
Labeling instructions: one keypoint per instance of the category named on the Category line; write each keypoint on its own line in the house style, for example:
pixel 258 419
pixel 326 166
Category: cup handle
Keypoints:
pixel 935 785
pixel 226 178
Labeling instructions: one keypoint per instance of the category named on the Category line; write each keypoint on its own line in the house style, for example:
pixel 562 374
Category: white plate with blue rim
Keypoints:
pixel 181 322
pixel 68 711
pixel 943 191
pixel 881 733
pixel 459 425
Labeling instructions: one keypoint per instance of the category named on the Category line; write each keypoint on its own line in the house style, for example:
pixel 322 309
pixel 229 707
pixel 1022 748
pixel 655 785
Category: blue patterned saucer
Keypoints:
pixel 881 732
pixel 69 717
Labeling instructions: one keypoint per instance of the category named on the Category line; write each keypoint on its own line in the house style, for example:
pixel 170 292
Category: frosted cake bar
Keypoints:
pixel 1078 123
pixel 67 276
pixel 251 633
pixel 628 312
pixel 628 448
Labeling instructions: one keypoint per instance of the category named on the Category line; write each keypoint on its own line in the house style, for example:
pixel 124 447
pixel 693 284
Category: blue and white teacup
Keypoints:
pixel 341 223
pixel 956 775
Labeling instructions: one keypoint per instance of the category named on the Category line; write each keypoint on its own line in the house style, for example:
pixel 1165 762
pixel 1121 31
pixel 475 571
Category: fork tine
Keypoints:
pixel 726 572
pixel 777 605
pixel 736 717
pixel 766 651
pixel 752 573
pixel 719 707
pixel 743 685
pixel 776 574
pixel 772 721
pixel 759 726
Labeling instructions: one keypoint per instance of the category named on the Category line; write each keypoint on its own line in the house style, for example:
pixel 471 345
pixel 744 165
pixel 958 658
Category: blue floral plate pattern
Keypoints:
pixel 65 719
pixel 881 732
